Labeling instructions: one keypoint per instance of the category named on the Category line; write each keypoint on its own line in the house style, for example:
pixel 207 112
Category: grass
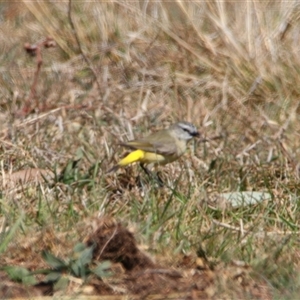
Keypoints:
pixel 230 68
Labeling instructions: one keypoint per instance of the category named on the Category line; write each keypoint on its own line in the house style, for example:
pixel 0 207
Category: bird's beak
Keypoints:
pixel 197 134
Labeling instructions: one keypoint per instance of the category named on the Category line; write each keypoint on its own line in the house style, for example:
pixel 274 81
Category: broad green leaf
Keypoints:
pixel 29 280
pixel 79 247
pixel 102 270
pixel 61 284
pixel 16 273
pixel 53 276
pixel 53 261
pixel 21 275
pixel 77 268
pixel 86 256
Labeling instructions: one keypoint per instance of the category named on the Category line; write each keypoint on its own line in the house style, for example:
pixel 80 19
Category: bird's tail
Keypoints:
pixel 132 157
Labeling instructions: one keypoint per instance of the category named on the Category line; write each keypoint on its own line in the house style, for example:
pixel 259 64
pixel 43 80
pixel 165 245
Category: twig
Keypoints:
pixel 86 59
pixel 107 242
pixel 243 231
pixel 228 226
pixel 171 273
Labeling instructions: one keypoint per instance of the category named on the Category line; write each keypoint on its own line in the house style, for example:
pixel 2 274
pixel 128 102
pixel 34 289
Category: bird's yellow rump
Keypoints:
pixel 159 148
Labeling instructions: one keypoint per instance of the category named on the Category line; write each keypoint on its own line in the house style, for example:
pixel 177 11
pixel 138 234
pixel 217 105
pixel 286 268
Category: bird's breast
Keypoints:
pixel 181 147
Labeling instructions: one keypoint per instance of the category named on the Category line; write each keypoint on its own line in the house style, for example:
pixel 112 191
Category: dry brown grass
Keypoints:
pixel 231 68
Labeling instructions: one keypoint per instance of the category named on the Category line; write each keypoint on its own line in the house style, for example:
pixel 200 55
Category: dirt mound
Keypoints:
pixel 193 279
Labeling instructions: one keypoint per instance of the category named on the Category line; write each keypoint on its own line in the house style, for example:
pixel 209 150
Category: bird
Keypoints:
pixel 159 148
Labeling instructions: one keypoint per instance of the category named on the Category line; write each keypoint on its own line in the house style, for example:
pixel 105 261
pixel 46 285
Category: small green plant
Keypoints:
pixel 72 175
pixel 78 265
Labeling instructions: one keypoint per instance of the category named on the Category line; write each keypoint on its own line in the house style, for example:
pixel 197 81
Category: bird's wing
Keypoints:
pixel 156 143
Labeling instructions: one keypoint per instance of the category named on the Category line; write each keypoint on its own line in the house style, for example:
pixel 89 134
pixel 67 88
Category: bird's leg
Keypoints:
pixel 147 171
pixel 160 181
pixel 152 176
